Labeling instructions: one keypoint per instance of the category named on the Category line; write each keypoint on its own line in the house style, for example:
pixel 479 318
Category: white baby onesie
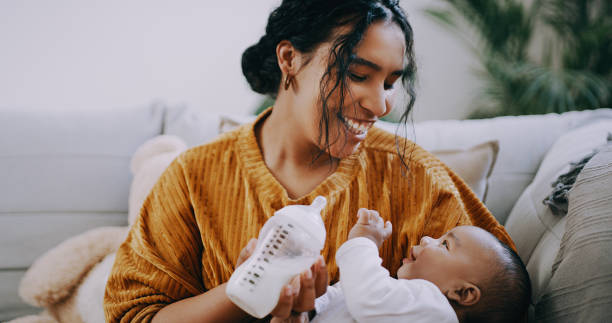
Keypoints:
pixel 367 293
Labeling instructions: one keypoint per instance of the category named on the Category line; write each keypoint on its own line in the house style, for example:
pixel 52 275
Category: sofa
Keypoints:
pixel 63 172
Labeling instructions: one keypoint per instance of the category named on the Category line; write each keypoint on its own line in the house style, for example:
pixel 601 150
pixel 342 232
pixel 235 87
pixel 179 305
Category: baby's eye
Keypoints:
pixel 445 243
pixel 388 86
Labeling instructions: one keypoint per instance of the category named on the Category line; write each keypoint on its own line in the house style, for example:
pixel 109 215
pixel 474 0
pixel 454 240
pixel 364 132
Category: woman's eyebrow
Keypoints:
pixel 362 61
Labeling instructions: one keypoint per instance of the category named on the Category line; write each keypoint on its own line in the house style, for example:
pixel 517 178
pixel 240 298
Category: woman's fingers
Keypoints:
pixel 320 275
pixel 294 318
pixel 285 303
pixel 246 252
pixel 304 289
pixel 305 300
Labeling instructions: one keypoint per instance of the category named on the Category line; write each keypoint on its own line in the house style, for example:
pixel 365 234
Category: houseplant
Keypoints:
pixel 546 56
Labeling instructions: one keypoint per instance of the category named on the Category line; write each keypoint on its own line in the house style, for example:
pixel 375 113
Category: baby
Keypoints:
pixel 466 275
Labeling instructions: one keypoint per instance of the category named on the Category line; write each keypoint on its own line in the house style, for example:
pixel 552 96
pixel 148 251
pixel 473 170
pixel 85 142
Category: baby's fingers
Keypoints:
pixel 376 219
pixel 387 230
pixel 363 216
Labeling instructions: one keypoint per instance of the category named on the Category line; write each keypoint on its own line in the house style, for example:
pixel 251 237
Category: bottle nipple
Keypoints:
pixel 318 204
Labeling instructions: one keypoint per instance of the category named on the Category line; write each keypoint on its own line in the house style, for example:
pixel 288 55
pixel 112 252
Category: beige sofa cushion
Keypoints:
pixel 473 164
pixel 580 289
pixel 536 231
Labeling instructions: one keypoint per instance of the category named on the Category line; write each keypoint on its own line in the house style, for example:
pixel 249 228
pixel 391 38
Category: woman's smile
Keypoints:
pixel 356 127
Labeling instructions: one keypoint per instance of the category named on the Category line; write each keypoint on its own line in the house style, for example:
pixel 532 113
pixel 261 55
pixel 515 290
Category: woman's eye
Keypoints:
pixel 357 77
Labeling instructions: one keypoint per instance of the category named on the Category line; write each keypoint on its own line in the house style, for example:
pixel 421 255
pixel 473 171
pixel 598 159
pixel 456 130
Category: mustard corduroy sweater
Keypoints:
pixel 213 198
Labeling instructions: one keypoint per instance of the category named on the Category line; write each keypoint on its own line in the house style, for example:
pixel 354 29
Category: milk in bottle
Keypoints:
pixel 289 243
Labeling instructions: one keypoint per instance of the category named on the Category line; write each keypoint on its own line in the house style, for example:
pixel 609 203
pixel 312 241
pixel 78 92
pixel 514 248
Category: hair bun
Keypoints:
pixel 260 68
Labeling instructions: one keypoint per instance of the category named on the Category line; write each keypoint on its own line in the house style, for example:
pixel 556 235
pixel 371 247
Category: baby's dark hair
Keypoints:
pixel 307 24
pixel 505 293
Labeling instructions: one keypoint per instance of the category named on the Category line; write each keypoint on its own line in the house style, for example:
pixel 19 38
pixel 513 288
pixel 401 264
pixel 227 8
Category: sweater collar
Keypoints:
pixel 267 188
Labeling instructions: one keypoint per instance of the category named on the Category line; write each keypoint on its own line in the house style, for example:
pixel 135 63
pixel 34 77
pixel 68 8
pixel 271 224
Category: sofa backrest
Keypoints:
pixel 62 172
pixel 523 142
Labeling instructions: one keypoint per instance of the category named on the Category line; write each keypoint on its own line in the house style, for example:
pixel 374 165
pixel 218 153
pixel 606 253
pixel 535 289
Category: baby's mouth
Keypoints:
pixel 411 257
pixel 357 127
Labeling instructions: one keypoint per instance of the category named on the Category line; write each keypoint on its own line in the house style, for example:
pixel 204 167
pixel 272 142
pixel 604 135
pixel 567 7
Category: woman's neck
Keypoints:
pixel 289 154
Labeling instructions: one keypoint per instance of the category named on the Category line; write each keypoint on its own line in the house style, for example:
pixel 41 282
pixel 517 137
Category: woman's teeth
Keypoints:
pixel 356 127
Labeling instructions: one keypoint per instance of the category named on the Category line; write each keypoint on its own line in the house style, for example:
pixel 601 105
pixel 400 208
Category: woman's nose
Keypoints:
pixel 376 102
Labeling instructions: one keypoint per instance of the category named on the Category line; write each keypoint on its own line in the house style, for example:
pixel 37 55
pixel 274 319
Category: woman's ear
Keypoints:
pixel 288 58
pixel 289 61
pixel 466 294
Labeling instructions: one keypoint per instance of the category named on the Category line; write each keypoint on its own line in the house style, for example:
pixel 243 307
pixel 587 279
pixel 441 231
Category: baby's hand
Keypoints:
pixel 370 225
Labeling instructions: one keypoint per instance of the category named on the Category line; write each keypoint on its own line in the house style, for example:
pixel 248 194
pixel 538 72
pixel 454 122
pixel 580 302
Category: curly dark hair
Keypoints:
pixel 309 23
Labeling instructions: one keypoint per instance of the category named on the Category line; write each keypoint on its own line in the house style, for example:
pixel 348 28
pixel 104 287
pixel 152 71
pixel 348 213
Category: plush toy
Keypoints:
pixel 68 281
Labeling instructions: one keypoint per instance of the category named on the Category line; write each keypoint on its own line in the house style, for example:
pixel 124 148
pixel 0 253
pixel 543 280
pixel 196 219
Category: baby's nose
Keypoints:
pixel 425 240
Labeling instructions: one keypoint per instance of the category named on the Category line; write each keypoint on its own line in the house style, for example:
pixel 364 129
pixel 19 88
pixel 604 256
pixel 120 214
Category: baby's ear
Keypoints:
pixel 466 294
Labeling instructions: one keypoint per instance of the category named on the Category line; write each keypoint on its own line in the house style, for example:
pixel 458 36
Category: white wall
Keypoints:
pixel 97 54
pixel 447 83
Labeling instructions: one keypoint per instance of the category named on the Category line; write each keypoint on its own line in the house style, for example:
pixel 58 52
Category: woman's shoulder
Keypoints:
pixel 224 143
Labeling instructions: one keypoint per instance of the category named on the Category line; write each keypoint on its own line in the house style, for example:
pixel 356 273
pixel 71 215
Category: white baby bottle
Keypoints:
pixel 288 244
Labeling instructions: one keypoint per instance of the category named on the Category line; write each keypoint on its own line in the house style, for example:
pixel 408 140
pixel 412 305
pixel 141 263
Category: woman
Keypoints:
pixel 333 67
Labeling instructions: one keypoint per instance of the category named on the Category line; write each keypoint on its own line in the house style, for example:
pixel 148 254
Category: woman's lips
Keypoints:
pixel 357 128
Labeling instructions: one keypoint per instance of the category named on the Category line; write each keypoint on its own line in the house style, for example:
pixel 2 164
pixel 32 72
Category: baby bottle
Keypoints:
pixel 288 244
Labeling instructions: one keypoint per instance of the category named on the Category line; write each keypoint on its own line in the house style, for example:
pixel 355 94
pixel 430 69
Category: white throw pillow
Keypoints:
pixel 473 164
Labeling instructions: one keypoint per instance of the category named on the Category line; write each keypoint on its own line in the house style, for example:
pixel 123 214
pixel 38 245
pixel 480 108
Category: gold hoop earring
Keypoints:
pixel 288 81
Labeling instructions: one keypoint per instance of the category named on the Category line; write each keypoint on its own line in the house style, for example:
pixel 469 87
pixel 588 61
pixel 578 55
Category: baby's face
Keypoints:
pixel 463 253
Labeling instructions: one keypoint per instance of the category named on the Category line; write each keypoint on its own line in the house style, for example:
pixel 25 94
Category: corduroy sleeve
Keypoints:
pixel 159 263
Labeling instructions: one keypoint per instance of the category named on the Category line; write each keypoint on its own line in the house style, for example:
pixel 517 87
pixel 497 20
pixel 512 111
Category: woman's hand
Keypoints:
pixel 298 297
pixel 370 225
